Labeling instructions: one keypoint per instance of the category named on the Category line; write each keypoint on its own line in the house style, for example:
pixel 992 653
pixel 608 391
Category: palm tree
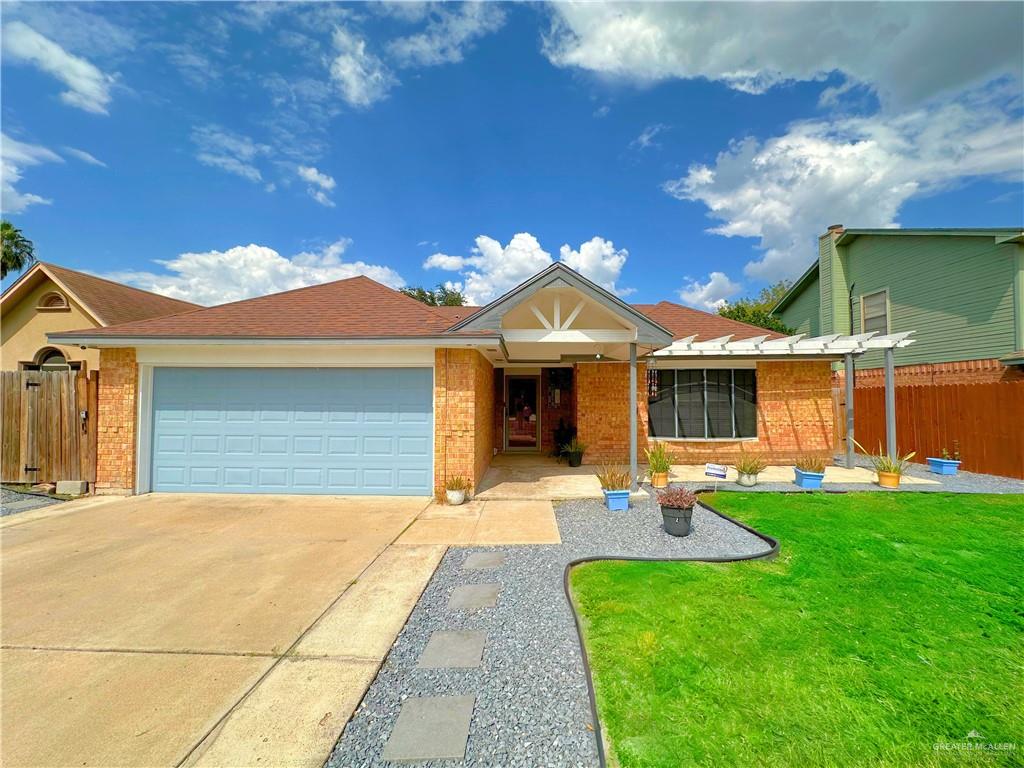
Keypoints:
pixel 18 250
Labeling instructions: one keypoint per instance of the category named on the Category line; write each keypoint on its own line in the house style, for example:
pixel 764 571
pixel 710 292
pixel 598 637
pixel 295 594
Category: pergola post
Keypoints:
pixel 633 465
pixel 849 410
pixel 890 403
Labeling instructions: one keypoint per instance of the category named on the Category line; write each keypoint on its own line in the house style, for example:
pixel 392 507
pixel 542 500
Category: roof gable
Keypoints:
pixel 107 302
pixel 558 275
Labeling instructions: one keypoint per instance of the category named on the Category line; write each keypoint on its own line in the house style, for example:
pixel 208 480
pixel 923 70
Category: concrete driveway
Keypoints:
pixel 197 629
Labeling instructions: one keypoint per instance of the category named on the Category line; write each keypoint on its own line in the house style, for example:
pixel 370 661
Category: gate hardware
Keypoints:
pixel 31 469
pixel 30 384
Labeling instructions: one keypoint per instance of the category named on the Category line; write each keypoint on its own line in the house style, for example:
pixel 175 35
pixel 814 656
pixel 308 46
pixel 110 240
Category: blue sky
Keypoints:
pixel 672 151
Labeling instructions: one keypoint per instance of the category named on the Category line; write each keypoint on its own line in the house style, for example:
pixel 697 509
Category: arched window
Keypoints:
pixel 53 300
pixel 51 359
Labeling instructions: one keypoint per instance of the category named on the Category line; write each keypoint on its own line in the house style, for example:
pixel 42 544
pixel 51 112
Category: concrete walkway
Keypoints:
pixel 485 523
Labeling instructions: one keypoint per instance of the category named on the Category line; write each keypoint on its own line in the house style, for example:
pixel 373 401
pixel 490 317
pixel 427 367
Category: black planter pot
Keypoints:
pixel 575 459
pixel 677 521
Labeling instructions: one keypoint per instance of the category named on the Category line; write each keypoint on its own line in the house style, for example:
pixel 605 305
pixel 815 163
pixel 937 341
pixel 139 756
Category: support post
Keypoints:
pixel 890 403
pixel 849 411
pixel 633 467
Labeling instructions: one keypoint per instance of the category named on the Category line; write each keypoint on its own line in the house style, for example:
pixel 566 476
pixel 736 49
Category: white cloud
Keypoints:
pixel 906 52
pixel 647 136
pixel 361 77
pixel 88 88
pixel 84 156
pixel 216 277
pixel 231 152
pixel 493 269
pixel 319 184
pixel 710 295
pixel 15 156
pixel 602 111
pixel 447 33
pixel 858 171
pixel 598 260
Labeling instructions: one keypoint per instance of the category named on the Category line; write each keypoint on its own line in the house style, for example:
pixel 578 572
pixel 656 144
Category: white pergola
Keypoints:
pixel 831 347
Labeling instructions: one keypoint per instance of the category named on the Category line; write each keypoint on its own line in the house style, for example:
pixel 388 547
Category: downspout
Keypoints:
pixel 850 374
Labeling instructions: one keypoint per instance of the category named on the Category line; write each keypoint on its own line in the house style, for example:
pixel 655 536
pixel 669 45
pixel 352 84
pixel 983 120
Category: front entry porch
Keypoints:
pixel 536 476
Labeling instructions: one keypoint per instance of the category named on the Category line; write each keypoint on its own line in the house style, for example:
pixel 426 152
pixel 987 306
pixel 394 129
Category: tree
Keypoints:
pixel 756 310
pixel 442 296
pixel 18 251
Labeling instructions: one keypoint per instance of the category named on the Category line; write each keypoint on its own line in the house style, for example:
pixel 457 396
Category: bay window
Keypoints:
pixel 702 403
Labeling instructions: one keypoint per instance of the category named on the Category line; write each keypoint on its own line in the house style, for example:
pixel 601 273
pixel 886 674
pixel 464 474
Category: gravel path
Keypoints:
pixel 532 705
pixel 12 502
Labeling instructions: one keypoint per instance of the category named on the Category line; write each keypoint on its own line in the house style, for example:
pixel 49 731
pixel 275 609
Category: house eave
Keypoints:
pixel 109 341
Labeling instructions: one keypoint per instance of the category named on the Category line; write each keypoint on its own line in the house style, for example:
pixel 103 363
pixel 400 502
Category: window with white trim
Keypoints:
pixel 702 404
pixel 874 312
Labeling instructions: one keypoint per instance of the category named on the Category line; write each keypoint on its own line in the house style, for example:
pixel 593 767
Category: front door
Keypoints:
pixel 522 419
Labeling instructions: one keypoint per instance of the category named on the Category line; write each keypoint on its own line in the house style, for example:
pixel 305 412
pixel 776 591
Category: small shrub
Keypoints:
pixel 677 497
pixel 457 483
pixel 575 446
pixel 811 463
pixel 614 479
pixel 955 456
pixel 750 463
pixel 658 459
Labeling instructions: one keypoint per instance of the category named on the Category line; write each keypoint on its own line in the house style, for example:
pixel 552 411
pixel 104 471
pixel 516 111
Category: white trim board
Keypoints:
pixel 285 356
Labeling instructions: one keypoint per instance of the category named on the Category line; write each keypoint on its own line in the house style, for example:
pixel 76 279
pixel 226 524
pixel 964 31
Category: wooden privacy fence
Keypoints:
pixel 45 437
pixel 986 421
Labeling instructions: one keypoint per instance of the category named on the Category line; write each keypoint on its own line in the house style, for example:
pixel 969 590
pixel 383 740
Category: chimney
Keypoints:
pixel 836 229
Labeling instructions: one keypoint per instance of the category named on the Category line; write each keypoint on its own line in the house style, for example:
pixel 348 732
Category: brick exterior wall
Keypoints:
pixel 115 440
pixel 794 415
pixel 602 411
pixel 959 372
pixel 463 416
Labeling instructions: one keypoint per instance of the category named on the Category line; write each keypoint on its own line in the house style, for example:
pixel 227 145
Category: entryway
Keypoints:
pixel 533 476
pixel 522 416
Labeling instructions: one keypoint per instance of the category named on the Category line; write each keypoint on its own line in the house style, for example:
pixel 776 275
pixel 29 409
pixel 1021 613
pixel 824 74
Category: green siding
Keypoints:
pixel 955 293
pixel 804 312
pixel 825 254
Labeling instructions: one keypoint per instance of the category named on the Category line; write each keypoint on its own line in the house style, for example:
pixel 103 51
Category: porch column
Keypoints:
pixel 849 410
pixel 890 403
pixel 633 468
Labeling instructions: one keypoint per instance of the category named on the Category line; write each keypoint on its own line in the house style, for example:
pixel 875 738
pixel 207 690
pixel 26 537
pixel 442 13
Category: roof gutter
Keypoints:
pixel 108 341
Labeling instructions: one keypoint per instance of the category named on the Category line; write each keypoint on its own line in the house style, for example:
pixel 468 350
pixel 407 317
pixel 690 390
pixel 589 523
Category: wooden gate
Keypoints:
pixel 49 426
pixel 982 420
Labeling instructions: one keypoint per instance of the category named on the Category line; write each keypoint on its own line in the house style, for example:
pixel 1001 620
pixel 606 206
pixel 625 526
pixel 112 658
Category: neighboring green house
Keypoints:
pixel 961 291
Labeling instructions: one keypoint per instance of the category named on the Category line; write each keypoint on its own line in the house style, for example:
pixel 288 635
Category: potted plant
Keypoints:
pixel 748 467
pixel 615 484
pixel 809 471
pixel 677 510
pixel 947 465
pixel 889 470
pixel 574 451
pixel 455 490
pixel 659 462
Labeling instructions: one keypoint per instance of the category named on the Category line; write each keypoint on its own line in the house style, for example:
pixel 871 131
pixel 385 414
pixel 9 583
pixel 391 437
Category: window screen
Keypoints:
pixel 701 404
pixel 875 306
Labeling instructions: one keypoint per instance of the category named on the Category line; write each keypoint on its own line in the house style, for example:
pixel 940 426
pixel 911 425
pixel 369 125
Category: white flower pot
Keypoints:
pixel 748 481
pixel 455 497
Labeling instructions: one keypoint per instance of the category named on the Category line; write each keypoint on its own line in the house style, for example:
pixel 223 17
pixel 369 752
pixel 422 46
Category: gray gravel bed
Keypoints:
pixel 532 704
pixel 12 502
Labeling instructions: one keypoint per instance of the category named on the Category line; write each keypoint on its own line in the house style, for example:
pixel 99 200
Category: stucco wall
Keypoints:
pixel 23 329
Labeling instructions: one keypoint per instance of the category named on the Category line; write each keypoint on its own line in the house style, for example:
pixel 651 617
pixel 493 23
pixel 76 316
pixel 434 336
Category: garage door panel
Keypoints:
pixel 293 430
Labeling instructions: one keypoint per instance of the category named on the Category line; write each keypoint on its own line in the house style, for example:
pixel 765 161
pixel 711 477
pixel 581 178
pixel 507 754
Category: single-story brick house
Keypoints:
pixel 353 388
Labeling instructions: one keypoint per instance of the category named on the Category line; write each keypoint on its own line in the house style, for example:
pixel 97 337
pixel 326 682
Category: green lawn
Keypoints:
pixel 888 623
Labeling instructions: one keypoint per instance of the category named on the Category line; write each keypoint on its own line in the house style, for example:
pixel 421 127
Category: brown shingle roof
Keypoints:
pixel 115 303
pixel 351 308
pixel 686 321
pixel 360 307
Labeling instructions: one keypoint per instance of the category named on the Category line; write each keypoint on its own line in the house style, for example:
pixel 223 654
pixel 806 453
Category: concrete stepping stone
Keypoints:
pixel 473 597
pixel 431 728
pixel 453 650
pixel 479 561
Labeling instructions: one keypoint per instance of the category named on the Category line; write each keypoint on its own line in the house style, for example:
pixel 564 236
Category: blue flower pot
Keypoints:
pixel 809 480
pixel 943 466
pixel 617 501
